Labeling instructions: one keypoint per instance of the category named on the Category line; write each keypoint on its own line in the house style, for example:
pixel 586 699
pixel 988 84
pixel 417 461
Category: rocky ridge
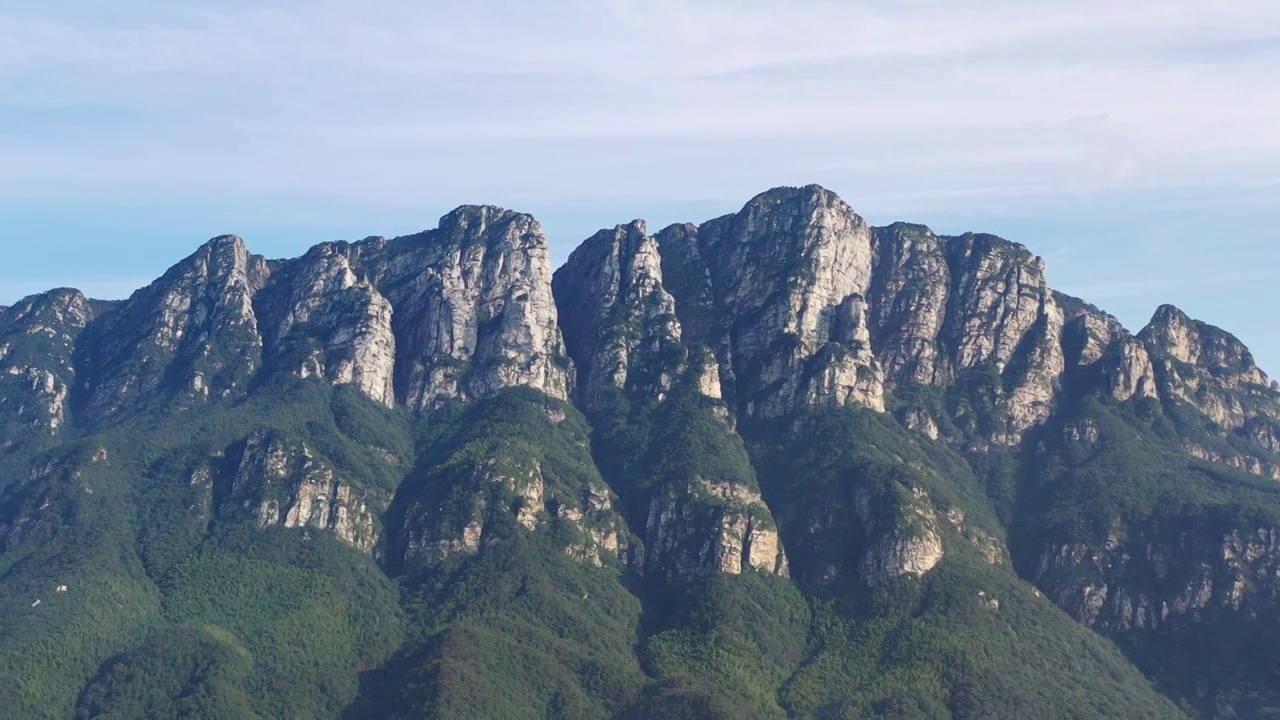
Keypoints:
pixel 462 311
pixel 790 305
pixel 792 302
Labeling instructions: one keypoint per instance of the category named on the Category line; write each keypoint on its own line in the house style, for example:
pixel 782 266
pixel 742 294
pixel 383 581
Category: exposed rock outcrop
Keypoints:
pixel 1154 576
pixel 191 335
pixel 1208 369
pixel 619 321
pixel 497 494
pixel 801 303
pixel 792 303
pixel 473 308
pixel 600 527
pixel 1088 332
pixel 324 321
pixel 282 481
pixel 902 532
pixel 909 296
pixel 460 312
pixel 788 272
pixel 713 526
pixel 37 340
pixel 1129 372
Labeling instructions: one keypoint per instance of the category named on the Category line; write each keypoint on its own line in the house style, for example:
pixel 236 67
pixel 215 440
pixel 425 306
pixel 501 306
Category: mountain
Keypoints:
pixel 779 464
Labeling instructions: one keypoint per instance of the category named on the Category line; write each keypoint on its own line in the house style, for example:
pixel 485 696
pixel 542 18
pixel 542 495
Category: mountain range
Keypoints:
pixel 779 464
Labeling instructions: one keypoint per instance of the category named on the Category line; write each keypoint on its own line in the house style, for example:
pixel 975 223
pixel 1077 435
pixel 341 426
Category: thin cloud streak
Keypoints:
pixel 310 97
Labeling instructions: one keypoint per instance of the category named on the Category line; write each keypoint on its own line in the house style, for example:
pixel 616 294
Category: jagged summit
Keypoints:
pixel 1196 342
pixel 230 240
pixel 469 307
pixel 476 213
pixel 479 222
pixel 793 193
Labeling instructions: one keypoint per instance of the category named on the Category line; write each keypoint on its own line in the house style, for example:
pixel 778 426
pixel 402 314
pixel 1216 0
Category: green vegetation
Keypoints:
pixel 1131 487
pixel 144 552
pixel 178 604
pixel 519 630
pixel 734 640
pixel 969 639
pixel 522 628
pixel 187 672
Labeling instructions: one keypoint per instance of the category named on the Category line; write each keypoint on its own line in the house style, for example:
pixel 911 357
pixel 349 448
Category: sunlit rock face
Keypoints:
pixel 1152 576
pixel 793 305
pixel 713 526
pixel 192 335
pixel 323 320
pixel 460 312
pixel 473 307
pixel 282 482
pixel 801 304
pixel 618 318
pixel 38 335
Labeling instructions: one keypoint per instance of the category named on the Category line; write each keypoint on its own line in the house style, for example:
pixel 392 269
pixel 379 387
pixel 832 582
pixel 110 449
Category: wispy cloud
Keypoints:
pixel 624 97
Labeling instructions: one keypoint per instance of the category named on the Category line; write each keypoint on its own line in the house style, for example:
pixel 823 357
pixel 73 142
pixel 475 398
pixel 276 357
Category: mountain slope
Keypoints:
pixel 779 464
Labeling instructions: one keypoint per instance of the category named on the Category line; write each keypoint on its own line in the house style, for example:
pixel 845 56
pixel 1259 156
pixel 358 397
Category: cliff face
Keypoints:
pixel 792 303
pixel 1157 575
pixel 37 340
pixel 1195 392
pixel 324 320
pixel 802 304
pixel 458 312
pixel 624 334
pixel 281 481
pixel 618 317
pixel 191 335
pixel 473 307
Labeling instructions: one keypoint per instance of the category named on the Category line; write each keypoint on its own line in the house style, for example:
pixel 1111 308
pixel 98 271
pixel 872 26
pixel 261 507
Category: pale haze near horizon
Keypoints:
pixel 1134 145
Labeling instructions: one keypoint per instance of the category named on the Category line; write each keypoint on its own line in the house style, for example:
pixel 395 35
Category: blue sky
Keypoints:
pixel 1133 144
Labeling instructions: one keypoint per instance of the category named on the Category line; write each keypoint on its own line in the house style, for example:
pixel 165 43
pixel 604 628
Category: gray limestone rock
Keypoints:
pixel 619 321
pixel 282 482
pixel 37 373
pixel 191 335
pixel 473 308
pixel 322 320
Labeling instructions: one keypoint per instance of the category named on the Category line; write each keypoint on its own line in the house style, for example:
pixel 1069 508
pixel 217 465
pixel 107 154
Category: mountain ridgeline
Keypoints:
pixel 780 464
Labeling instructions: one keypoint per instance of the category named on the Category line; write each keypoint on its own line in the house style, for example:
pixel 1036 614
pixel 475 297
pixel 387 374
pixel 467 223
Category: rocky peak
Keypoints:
pixel 808 235
pixel 473 308
pixel 57 310
pixel 1001 294
pixel 799 302
pixel 782 271
pixel 619 321
pixel 281 481
pixel 1129 371
pixel 474 221
pixel 909 297
pixel 1201 345
pixel 195 325
pixel 1088 331
pixel 459 312
pixel 321 319
pixel 1180 360
pixel 37 339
